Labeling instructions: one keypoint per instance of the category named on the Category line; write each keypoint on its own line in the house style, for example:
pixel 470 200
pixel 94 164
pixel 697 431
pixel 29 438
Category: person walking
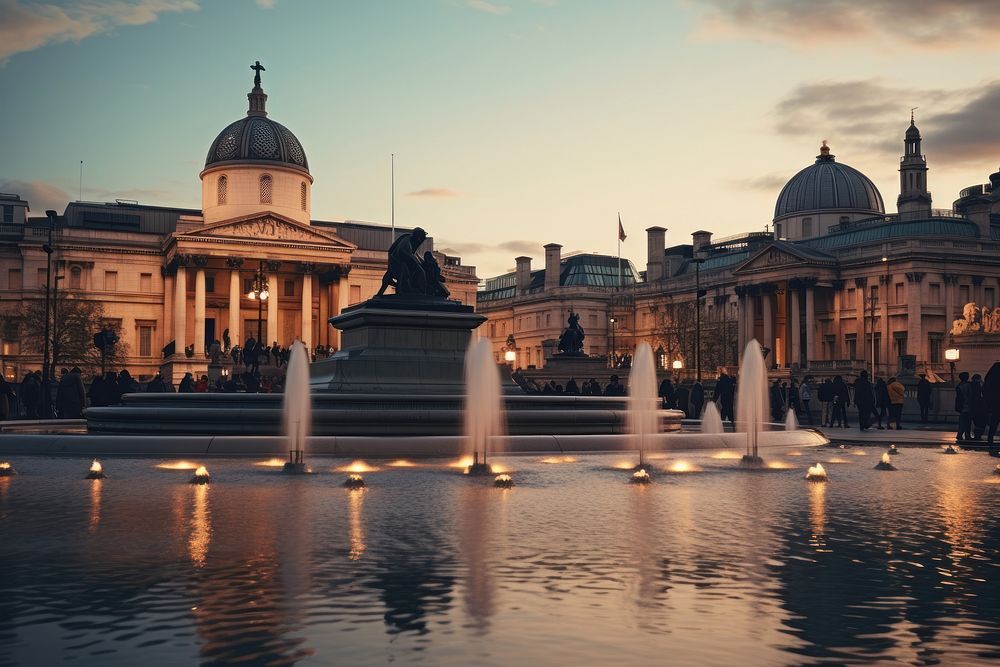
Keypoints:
pixel 792 397
pixel 683 396
pixel 881 402
pixel 805 398
pixel 924 391
pixel 725 392
pixel 963 406
pixel 697 400
pixel 841 399
pixel 864 400
pixel 825 396
pixel 614 388
pixel 666 393
pixel 31 395
pixel 991 399
pixel 187 384
pixel 71 396
pixel 980 415
pixel 777 401
pixel 897 395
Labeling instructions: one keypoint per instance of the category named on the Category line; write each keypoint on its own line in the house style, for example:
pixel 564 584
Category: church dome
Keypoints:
pixel 257 139
pixel 828 185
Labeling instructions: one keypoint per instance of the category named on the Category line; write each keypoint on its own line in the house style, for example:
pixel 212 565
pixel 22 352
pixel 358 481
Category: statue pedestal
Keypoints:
pixel 399 344
pixel 977 351
pixel 175 366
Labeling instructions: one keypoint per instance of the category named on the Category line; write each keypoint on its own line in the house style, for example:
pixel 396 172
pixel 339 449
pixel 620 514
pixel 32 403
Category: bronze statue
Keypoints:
pixel 407 273
pixel 257 68
pixel 571 340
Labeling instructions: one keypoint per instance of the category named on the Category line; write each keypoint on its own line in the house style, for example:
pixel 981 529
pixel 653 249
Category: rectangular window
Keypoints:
pixel 963 295
pixel 8 213
pixel 247 285
pixel 935 295
pixel 146 282
pixel 40 276
pixel 934 344
pixel 209 284
pixel 899 343
pixel 355 294
pixel 829 342
pixel 777 230
pixel 14 279
pixel 851 342
pixel 290 289
pixel 110 281
pixel 989 297
pixel 807 227
pixel 852 295
pixel 873 296
pixel 878 347
pixel 900 298
pixel 145 341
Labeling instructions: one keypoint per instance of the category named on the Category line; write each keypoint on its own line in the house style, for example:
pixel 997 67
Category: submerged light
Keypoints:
pixel 640 476
pixel 950 450
pixel 503 481
pixel 996 471
pixel 885 463
pixel 6 469
pixel 354 481
pixel 816 473
pixel 893 450
pixel 201 476
pixel 96 470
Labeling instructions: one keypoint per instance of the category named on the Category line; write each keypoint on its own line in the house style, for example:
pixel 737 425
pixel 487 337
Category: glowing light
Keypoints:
pixel 6 469
pixel 681 467
pixel 355 503
pixel 886 459
pixel 354 481
pixel 893 449
pixel 885 463
pixel 996 471
pixel 463 462
pixel 96 466
pixel 858 452
pixel 270 463
pixel 503 481
pixel 201 476
pixel 778 465
pixel 793 453
pixel 356 467
pixel 727 455
pixel 836 459
pixel 623 465
pixel 816 473
pixel 177 465
pixel 640 477
pixel 558 459
pixel 402 463
pixel 499 467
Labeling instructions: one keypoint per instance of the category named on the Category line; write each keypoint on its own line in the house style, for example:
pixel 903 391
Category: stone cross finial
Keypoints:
pixel 257 68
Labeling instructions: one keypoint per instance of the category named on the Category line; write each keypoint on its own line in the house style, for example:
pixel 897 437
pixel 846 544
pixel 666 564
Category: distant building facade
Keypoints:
pixel 837 285
pixel 171 278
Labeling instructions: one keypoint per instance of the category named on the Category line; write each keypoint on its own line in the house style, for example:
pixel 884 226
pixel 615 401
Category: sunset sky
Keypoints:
pixel 514 123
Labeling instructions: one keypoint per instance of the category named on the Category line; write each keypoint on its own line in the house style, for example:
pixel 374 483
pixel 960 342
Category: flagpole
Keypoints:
pixel 392 194
pixel 619 250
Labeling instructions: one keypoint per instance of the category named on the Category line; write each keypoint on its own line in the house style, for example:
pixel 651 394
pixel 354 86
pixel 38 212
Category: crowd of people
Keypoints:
pixel 977 402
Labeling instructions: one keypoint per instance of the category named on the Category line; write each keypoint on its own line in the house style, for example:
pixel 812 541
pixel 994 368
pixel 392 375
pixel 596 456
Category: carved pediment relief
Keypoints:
pixel 267 228
pixel 772 258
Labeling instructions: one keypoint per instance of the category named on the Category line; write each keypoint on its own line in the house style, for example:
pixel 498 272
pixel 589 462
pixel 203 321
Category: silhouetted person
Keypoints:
pixel 924 391
pixel 792 396
pixel 805 400
pixel 71 396
pixel 963 406
pixel 125 384
pixel 683 396
pixel 777 401
pixel 825 395
pixel 31 396
pixel 841 399
pixel 881 402
pixel 725 392
pixel 614 388
pixel 666 393
pixel 864 400
pixel 897 396
pixel 991 399
pixel 6 394
pixel 571 387
pixel 697 400
pixel 595 387
pixel 156 385
pixel 187 384
pixel 980 414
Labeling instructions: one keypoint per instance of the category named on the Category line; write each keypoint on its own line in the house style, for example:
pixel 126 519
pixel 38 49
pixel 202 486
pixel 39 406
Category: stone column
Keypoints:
pixel 886 346
pixel 838 333
pixel 914 316
pixel 767 313
pixel 862 313
pixel 950 285
pixel 168 303
pixel 741 327
pixel 235 293
pixel 324 315
pixel 750 300
pixel 199 312
pixel 810 325
pixel 180 310
pixel 274 288
pixel 307 306
pixel 795 356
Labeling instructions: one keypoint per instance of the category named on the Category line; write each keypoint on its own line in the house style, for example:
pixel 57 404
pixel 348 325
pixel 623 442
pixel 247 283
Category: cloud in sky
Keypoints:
pixel 435 193
pixel 488 7
pixel 28 26
pixel 511 248
pixel 40 195
pixel 942 24
pixel 872 115
pixel 767 182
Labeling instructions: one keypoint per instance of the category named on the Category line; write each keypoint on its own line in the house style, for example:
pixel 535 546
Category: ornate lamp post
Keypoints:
pixel 259 292
pixel 952 354
pixel 613 346
pixel 46 369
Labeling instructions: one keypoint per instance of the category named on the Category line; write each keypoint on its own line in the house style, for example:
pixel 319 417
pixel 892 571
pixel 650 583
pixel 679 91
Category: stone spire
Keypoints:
pixel 257 98
pixel 914 199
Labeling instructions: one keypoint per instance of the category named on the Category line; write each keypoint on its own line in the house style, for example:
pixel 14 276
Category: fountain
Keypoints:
pixel 711 420
pixel 950 449
pixel 6 469
pixel 885 463
pixel 297 408
pixel 893 450
pixel 643 410
pixel 484 421
pixel 354 481
pixel 503 481
pixel 201 476
pixel 791 422
pixel 640 477
pixel 816 473
pixel 751 401
pixel 96 471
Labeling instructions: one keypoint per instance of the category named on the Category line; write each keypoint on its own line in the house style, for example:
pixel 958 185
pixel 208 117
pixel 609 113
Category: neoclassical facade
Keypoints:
pixel 179 278
pixel 835 286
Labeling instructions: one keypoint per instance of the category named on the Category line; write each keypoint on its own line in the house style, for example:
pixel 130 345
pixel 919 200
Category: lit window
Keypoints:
pixel 265 189
pixel 223 187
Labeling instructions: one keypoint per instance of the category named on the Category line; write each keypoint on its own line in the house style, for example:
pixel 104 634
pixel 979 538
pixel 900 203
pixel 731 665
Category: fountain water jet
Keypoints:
pixel 483 415
pixel 297 408
pixel 711 420
pixel 791 422
pixel 643 411
pixel 751 400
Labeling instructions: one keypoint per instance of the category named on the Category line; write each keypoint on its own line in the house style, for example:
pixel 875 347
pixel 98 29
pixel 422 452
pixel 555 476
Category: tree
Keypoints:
pixel 675 333
pixel 74 322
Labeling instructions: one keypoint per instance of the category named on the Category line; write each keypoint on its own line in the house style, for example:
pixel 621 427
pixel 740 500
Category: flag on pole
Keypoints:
pixel 621 230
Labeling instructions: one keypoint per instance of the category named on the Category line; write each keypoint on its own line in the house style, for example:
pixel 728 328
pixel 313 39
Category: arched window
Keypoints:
pixel 302 195
pixel 844 219
pixel 75 275
pixel 222 188
pixel 265 189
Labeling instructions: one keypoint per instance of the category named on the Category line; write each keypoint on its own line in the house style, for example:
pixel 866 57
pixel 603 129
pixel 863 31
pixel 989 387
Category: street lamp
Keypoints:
pixel 677 364
pixel 46 369
pixel 613 346
pixel 952 354
pixel 259 292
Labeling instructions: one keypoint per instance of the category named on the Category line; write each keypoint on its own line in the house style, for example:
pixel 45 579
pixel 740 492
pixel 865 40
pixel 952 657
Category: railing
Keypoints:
pixel 974 190
pixel 897 217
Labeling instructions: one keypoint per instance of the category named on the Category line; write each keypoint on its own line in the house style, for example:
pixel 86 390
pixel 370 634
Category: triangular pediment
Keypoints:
pixel 781 254
pixel 264 228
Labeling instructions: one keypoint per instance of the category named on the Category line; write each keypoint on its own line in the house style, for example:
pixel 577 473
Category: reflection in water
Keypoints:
pixel 201 526
pixel 355 503
pixel 95 504
pixel 817 514
pixel 474 546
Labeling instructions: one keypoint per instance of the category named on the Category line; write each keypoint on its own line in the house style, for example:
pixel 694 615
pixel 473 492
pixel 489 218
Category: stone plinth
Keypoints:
pixel 562 367
pixel 399 344
pixel 978 351
pixel 175 366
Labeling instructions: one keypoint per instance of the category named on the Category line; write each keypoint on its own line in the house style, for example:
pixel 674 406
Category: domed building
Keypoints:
pixel 180 286
pixel 824 194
